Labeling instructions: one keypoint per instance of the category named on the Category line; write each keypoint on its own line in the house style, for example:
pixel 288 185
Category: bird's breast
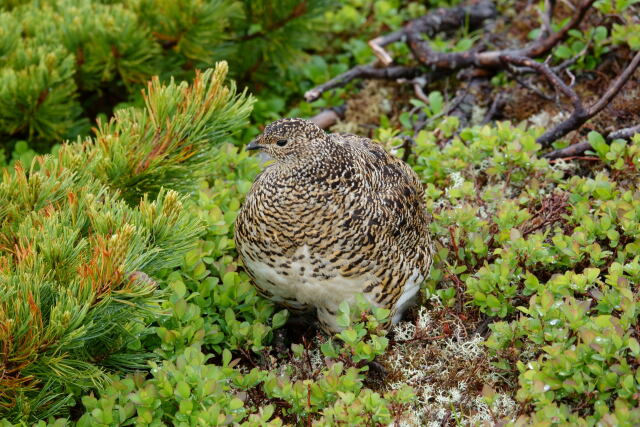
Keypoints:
pixel 308 278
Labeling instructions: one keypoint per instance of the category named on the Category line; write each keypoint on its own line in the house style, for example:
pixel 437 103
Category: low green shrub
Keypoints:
pixel 84 235
pixel 551 248
pixel 188 391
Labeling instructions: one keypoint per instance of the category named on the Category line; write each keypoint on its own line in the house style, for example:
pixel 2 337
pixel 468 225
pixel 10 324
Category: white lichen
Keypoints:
pixel 404 331
pixel 440 371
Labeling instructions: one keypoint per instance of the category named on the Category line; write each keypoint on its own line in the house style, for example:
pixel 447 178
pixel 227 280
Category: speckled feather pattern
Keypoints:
pixel 335 215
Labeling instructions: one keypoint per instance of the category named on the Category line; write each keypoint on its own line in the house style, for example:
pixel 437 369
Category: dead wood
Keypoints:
pixel 370 71
pixel 439 20
pixel 517 60
pixel 488 59
pixel 495 109
pixel 327 118
pixel 580 148
pixel 625 133
pixel 580 113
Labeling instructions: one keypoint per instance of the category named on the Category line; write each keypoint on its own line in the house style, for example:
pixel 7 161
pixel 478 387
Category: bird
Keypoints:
pixel 333 216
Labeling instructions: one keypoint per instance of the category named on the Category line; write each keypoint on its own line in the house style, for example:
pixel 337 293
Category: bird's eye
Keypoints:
pixel 281 142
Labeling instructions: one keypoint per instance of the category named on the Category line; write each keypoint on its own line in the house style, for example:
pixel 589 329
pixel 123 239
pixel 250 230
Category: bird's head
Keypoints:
pixel 288 138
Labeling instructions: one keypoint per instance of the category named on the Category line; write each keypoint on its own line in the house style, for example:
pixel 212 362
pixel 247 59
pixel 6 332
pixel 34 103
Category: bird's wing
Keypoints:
pixel 392 199
pixel 386 172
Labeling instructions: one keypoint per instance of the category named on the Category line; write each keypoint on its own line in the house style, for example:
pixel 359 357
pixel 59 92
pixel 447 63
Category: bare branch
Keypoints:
pixel 580 115
pixel 542 47
pixel 579 148
pixel 625 133
pixel 327 118
pixel 556 69
pixel 613 89
pixel 533 89
pixel 377 44
pixel 363 72
pixel 553 78
pixel 570 151
pixel 491 59
pixel 444 63
pixel 439 20
pixel 418 84
pixel 496 106
pixel 547 17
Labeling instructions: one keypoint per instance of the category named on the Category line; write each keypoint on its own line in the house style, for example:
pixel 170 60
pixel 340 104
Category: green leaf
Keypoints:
pixel 235 404
pixel 598 144
pixel 348 335
pixel 279 319
pixel 344 307
pixel 436 101
pixel 182 390
pixel 226 357
pixel 178 288
pixel 563 51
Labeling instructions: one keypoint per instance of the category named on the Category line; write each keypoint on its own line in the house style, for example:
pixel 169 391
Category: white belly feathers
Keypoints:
pixel 302 290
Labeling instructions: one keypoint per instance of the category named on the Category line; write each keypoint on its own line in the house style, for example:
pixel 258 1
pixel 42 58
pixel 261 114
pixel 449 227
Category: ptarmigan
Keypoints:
pixel 334 216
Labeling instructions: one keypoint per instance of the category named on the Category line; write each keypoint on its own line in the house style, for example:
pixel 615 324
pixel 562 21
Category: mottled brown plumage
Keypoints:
pixel 335 215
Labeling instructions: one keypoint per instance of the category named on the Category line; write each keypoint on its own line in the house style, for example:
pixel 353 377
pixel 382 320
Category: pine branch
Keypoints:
pixel 169 144
pixel 83 233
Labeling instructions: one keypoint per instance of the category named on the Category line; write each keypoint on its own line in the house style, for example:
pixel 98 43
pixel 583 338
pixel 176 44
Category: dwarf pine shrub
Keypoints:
pixel 64 62
pixel 83 232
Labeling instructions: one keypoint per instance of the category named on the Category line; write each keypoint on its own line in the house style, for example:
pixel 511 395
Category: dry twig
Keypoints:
pixel 439 20
pixel 363 72
pixel 580 114
pixel 440 63
pixel 625 133
pixel 489 59
pixel 431 23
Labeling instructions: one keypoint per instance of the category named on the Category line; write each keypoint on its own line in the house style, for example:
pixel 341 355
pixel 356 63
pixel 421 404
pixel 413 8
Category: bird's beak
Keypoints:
pixel 253 145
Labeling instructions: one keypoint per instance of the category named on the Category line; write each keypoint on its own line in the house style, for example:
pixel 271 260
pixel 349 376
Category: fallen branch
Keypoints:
pixel 589 158
pixel 546 18
pixel 431 23
pixel 570 151
pixel 625 133
pixel 377 44
pixel 575 150
pixel 327 118
pixel 534 89
pixel 443 63
pixel 488 59
pixel 418 84
pixel 581 114
pixel 363 72
pixel 557 68
pixel 440 63
pixel 439 20
pixel 496 106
